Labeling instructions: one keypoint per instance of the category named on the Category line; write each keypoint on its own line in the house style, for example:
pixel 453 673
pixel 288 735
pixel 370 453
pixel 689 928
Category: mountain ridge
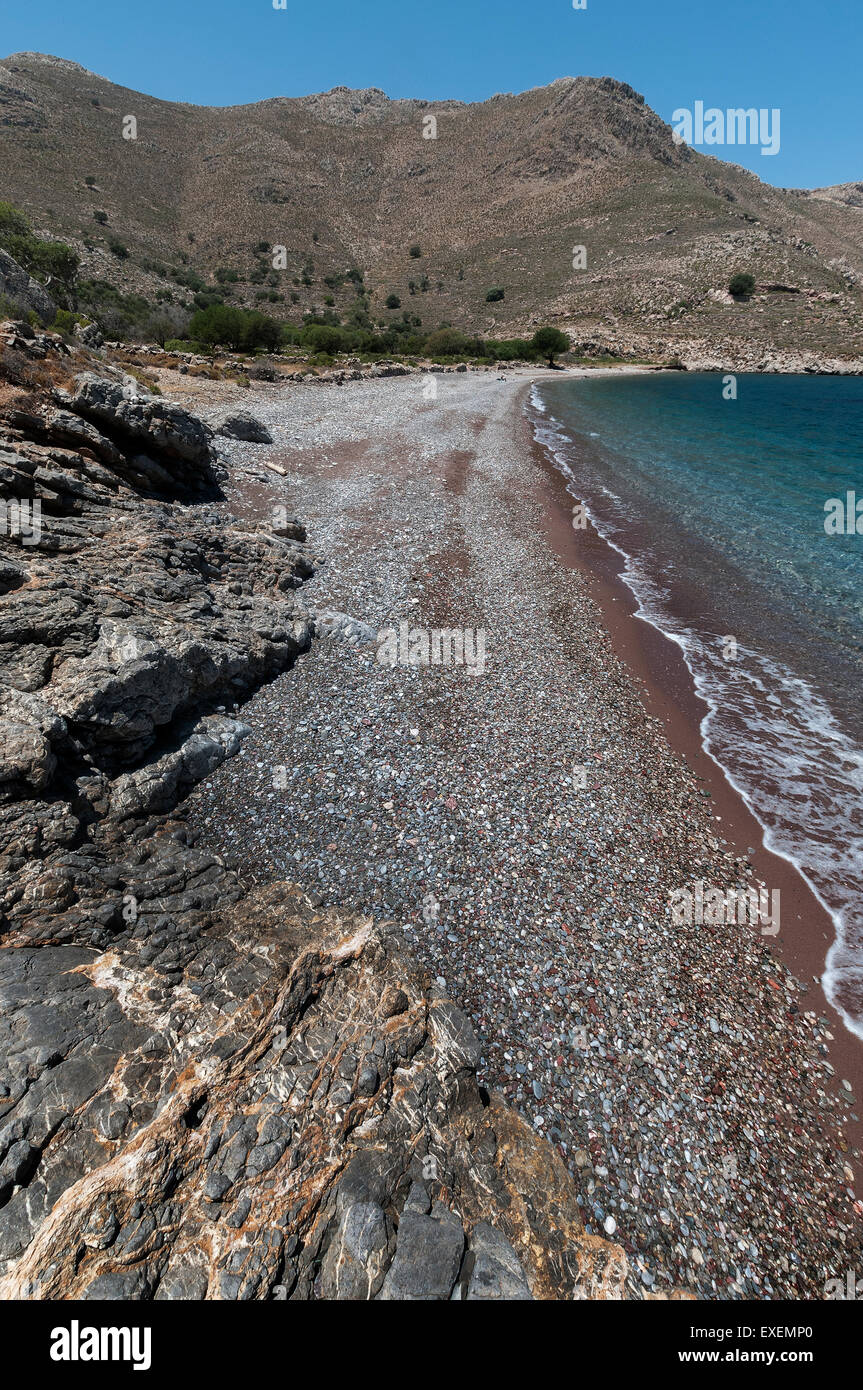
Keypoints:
pixel 500 198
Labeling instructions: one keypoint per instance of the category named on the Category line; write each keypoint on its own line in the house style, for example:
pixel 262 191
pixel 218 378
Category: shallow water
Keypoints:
pixel 718 506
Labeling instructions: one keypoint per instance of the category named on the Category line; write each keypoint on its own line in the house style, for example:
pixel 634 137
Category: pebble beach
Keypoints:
pixel 524 820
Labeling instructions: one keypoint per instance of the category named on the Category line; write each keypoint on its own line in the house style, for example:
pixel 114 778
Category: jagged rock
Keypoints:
pixel 164 427
pixel 241 425
pixel 27 728
pixel 184 1078
pixel 158 785
pixel 291 528
pixel 330 623
pixel 89 334
pixel 428 1257
pixel 66 428
pixel 355 1263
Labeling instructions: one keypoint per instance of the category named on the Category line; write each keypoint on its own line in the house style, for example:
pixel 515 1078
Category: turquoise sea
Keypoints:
pixel 718 506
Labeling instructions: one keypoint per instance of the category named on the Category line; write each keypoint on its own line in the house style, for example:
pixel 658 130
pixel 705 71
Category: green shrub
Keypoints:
pixel 510 349
pixel 189 279
pixel 100 216
pixel 117 248
pixel 45 260
pixel 447 342
pixel 494 295
pixel 323 338
pixel 741 284
pixel 130 316
pixel 416 252
pixel 393 302
pixel 64 321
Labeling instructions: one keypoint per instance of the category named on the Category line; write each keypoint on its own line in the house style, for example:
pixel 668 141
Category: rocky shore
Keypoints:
pixel 526 825
pixel 208 1088
pixel 323 978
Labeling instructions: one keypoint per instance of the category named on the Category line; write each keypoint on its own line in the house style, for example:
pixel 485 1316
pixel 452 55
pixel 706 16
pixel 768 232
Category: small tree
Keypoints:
pixel 741 284
pixel 416 252
pixel 321 337
pixel 393 301
pixel 218 325
pixel 548 342
pixel 494 295
pixel 170 323
pixel 446 342
pixel 260 331
pixel 100 216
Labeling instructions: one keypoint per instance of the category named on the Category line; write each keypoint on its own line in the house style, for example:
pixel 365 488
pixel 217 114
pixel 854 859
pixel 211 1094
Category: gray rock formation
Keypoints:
pixel 159 426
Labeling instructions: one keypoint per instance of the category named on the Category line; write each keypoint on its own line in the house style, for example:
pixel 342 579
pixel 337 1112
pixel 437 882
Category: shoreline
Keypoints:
pixel 414 785
pixel 666 686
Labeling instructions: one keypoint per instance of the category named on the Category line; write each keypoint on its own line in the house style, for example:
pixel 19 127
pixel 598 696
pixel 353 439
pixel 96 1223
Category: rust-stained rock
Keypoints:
pixel 205 1134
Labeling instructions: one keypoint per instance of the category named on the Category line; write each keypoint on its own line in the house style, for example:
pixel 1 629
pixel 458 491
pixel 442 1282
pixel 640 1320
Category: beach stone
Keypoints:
pixel 241 425
pixel 427 1259
pixel 496 1274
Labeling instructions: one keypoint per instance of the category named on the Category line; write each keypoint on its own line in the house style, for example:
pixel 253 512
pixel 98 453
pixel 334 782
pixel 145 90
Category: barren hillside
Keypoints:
pixel 499 199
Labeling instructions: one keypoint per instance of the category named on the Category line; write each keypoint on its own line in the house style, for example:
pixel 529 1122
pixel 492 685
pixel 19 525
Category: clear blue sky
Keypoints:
pixel 803 56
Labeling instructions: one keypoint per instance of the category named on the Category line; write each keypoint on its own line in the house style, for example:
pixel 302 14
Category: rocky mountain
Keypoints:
pixel 498 200
pixel 850 194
